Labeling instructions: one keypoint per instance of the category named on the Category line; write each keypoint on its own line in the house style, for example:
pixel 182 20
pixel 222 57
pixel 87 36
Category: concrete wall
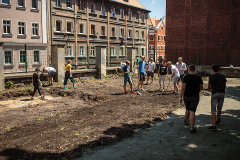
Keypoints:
pixel 58 62
pixel 2 86
pixel 101 62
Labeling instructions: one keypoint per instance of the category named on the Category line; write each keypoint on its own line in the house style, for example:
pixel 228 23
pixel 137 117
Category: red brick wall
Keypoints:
pixel 203 25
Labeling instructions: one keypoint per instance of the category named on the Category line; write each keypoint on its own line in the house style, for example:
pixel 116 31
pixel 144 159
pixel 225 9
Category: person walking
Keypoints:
pixel 160 60
pixel 191 86
pixel 181 68
pixel 36 83
pixel 127 77
pixel 150 70
pixel 68 74
pixel 217 82
pixel 141 71
pixel 175 76
pixel 162 74
pixel 51 72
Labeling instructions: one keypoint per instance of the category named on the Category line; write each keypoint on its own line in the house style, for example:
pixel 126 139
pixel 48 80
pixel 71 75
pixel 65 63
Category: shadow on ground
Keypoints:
pixel 171 138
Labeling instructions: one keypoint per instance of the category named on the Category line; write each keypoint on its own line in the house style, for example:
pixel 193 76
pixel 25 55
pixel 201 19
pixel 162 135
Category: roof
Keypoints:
pixel 152 21
pixel 133 3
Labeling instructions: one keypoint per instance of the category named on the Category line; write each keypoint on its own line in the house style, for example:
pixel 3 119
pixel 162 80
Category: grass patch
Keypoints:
pixel 39 118
pixel 8 129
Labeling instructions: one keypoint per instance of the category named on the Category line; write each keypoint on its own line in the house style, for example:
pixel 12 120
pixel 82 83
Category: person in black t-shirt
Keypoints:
pixel 36 83
pixel 217 82
pixel 191 86
pixel 162 73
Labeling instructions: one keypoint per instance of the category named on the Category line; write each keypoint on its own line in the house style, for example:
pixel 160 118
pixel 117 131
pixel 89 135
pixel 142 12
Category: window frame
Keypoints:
pixel 94 8
pixel 25 28
pixel 10 25
pixel 104 30
pixel 6 4
pixel 60 25
pixel 32 5
pixel 24 4
pixel 93 51
pixel 150 38
pixel 12 52
pixel 129 33
pixel 103 10
pixel 130 15
pixel 122 14
pixel 39 56
pixel 143 35
pixel 38 35
pixel 80 28
pixel 113 31
pixel 71 26
pixel 113 51
pixel 121 32
pixel 123 51
pixel 60 3
pixel 69 1
pixel 94 29
pixel 20 57
pixel 137 34
pixel 69 49
pixel 82 51
pixel 113 12
pixel 79 5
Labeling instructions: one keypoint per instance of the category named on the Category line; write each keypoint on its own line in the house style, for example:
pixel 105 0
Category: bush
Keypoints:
pixel 9 84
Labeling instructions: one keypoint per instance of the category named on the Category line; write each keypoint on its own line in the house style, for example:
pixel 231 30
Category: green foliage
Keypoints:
pixel 39 118
pixel 116 72
pixel 29 89
pixel 9 84
pixel 108 76
pixel 1 96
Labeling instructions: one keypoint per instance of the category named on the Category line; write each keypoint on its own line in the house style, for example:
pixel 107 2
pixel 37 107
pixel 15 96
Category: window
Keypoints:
pixel 151 37
pixel 69 27
pixel 58 3
pixel 142 35
pixel 121 32
pixel 158 37
pixel 36 57
pixel 34 4
pixel 121 51
pixel 92 7
pixel 142 18
pixel 164 48
pixel 6 27
pixel 112 12
pixel 121 13
pixel 8 56
pixel 112 51
pixel 142 51
pixel 22 56
pixel 102 10
pixel 164 38
pixel 151 47
pixel 103 31
pixel 81 29
pixel 6 2
pixel 137 51
pixel 69 4
pixel 21 28
pixel 81 50
pixel 93 29
pixel 81 5
pixel 129 15
pixel 129 33
pixel 137 34
pixel 69 51
pixel 158 48
pixel 58 26
pixel 137 16
pixel 113 31
pixel 35 30
pixel 20 3
pixel 92 51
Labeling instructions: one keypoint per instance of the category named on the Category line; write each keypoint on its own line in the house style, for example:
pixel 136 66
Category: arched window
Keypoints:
pixel 158 37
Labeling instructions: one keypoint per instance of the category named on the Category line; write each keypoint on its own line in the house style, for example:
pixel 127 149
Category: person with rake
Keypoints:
pixel 162 74
pixel 68 74
pixel 127 77
pixel 191 86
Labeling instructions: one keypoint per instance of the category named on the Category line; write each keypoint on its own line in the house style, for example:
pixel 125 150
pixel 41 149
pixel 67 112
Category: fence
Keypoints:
pixel 24 58
pixel 222 57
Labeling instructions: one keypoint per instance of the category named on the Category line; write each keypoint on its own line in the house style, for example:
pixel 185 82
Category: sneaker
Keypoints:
pixel 142 89
pixel 159 88
pixel 138 93
pixel 133 92
pixel 176 93
pixel 186 123
pixel 193 130
pixel 163 90
pixel 217 122
pixel 126 92
pixel 65 88
pixel 212 128
pixel 51 84
pixel 42 96
pixel 146 83
pixel 31 98
pixel 138 89
pixel 151 83
pixel 74 85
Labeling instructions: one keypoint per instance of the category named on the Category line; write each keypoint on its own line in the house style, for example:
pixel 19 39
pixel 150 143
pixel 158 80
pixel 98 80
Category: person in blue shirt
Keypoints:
pixel 141 72
pixel 127 78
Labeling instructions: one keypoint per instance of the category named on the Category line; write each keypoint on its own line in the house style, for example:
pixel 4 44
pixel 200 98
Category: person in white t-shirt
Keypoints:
pixel 175 76
pixel 181 68
pixel 151 68
pixel 51 72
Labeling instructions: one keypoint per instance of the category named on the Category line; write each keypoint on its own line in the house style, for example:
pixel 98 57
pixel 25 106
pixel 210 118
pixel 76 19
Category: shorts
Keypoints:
pixel 217 100
pixel 181 77
pixel 51 73
pixel 127 79
pixel 175 79
pixel 141 77
pixel 191 103
pixel 150 74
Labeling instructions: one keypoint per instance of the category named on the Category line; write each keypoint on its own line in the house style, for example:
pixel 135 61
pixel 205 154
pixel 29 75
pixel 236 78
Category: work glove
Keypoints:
pixel 41 84
pixel 180 99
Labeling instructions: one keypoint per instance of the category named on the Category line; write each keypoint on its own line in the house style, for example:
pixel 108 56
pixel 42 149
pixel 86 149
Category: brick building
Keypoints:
pixel 203 32
pixel 156 37
pixel 80 25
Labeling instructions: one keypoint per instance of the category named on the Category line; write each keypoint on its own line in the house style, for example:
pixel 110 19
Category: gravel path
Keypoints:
pixel 170 139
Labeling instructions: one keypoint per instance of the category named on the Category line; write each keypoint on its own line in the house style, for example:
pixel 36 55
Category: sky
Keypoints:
pixel 157 7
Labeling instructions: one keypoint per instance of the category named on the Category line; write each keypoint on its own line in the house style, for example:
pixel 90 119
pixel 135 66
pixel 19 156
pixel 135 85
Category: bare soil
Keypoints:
pixel 69 122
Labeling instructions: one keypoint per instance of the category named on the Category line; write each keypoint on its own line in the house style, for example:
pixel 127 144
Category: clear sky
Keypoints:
pixel 158 7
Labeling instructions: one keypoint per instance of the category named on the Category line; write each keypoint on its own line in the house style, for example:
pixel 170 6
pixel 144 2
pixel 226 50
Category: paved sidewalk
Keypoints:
pixel 170 139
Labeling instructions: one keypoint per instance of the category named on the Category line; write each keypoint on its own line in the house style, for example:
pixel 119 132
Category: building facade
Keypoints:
pixel 203 32
pixel 23 22
pixel 156 37
pixel 81 25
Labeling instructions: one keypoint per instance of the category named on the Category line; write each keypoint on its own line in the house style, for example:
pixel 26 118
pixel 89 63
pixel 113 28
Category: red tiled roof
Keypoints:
pixel 132 3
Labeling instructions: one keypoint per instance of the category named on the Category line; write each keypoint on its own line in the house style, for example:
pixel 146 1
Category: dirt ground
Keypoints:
pixel 68 123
